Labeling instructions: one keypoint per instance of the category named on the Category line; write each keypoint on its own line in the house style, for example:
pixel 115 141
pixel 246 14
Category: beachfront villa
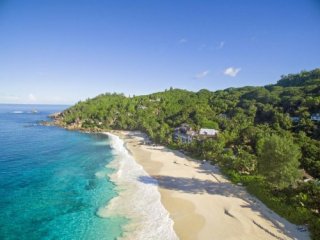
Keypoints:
pixel 185 134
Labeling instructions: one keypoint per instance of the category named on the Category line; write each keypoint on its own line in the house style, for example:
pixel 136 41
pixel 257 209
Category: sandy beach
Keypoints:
pixel 202 203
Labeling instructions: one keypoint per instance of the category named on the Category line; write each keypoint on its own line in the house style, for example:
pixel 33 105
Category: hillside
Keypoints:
pixel 238 113
pixel 282 115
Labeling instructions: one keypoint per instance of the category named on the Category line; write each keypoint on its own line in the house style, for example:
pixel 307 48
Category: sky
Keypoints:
pixel 63 51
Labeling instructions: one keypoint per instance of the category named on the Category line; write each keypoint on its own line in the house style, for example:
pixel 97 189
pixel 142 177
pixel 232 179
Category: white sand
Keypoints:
pixel 201 201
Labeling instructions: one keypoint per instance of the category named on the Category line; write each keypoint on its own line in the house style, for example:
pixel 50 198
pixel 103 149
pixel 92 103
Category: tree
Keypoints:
pixel 244 161
pixel 310 195
pixel 279 160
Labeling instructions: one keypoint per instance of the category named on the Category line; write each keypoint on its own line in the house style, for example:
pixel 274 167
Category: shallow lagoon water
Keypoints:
pixel 52 181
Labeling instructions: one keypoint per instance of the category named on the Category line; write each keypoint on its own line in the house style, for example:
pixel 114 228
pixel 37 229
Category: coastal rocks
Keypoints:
pixel 55 115
pixel 58 120
pixel 47 123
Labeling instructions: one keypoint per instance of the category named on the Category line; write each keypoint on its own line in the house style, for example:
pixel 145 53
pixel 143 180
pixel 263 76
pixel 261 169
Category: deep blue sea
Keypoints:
pixel 49 187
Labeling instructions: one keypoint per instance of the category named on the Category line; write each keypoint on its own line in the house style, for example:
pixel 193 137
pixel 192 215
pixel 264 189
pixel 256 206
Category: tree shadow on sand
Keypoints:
pixel 227 189
pixel 191 185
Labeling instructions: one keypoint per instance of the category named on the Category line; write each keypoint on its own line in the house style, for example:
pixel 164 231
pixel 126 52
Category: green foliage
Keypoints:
pixel 310 154
pixel 245 162
pixel 309 196
pixel 279 160
pixel 297 215
pixel 314 228
pixel 300 79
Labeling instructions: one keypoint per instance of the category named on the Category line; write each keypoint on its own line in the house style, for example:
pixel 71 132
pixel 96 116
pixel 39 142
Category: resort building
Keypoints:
pixel 315 117
pixel 185 134
pixel 208 132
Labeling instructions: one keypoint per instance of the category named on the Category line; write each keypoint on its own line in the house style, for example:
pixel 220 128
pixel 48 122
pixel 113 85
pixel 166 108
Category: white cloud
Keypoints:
pixel 221 44
pixel 201 75
pixel 32 98
pixel 232 71
pixel 183 40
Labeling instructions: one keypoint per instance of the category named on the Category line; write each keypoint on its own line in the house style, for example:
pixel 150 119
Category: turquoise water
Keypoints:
pixel 52 181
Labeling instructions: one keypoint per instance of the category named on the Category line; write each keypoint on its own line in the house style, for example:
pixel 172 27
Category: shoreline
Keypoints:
pixel 201 202
pixel 139 203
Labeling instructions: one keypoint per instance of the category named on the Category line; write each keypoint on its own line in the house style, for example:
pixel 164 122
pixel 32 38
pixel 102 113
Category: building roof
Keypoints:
pixel 191 133
pixel 208 131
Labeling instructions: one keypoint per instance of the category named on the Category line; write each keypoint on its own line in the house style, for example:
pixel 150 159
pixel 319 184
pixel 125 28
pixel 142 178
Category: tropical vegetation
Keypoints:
pixel 269 137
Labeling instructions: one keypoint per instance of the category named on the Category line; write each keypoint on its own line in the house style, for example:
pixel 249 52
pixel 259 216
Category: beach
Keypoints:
pixel 202 203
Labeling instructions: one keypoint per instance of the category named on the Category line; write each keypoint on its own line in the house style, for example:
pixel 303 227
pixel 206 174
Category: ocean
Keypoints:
pixel 59 184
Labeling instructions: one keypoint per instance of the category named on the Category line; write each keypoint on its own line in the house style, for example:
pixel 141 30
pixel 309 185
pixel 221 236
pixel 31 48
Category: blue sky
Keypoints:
pixel 63 51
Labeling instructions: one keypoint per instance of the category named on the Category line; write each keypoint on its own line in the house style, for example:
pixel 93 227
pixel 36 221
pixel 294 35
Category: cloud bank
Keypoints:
pixel 231 71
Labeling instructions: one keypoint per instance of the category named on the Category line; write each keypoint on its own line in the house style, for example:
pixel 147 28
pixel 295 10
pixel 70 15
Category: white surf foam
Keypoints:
pixel 101 143
pixel 137 201
pixel 100 174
